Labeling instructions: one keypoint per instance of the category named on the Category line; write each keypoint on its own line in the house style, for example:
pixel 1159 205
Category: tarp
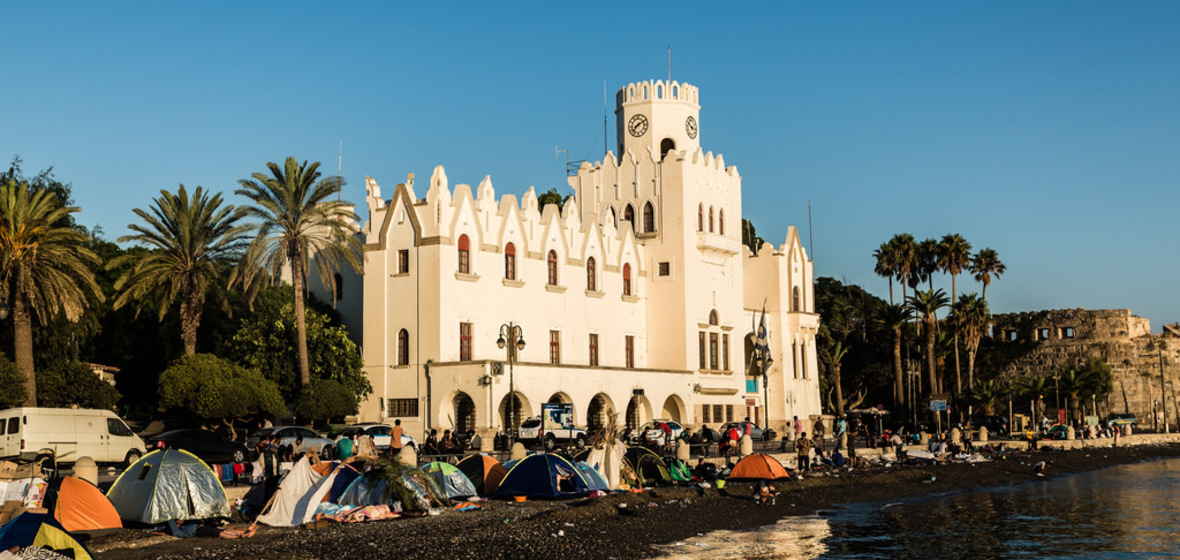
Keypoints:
pixel 680 471
pixel 165 485
pixel 42 530
pixel 344 477
pixel 450 479
pixel 607 461
pixel 300 491
pixel 80 506
pixel 484 472
pixel 758 466
pixel 650 468
pixel 536 476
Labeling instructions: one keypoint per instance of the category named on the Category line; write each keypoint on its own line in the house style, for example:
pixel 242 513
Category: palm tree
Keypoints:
pixel 925 304
pixel 894 317
pixel 1074 383
pixel 297 220
pixel 987 394
pixel 970 316
pixel 836 356
pixel 954 255
pixel 192 241
pixel 985 267
pixel 44 268
pixel 927 261
pixel 1035 387
pixel 905 251
pixel 886 256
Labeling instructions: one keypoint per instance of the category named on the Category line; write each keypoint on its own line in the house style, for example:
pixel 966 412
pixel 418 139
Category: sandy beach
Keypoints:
pixel 615 526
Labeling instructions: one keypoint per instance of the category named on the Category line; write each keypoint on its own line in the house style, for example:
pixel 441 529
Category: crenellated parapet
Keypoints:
pixel 657 90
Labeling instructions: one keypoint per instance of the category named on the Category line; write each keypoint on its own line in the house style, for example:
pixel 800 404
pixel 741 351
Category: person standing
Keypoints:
pixel 798 428
pixel 395 438
pixel 818 429
pixel 803 448
pixel 842 433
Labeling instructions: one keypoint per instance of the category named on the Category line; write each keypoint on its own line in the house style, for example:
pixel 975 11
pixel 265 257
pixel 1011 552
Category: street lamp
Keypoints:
pixel 1163 387
pixel 512 338
pixel 764 363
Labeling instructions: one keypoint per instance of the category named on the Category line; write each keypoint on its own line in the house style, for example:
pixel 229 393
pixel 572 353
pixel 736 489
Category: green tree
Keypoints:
pixel 69 384
pixel 954 256
pixel 969 317
pixel 44 268
pixel 985 267
pixel 12 384
pixel 905 257
pixel 926 258
pixel 925 304
pixel 193 241
pixel 835 356
pixel 886 256
pixel 987 395
pixel 750 236
pixel 847 316
pixel 1035 387
pixel 217 391
pixel 324 400
pixel 894 318
pixel 263 343
pixel 297 220
pixel 551 196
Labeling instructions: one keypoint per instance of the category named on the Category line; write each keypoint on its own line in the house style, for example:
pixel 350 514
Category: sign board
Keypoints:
pixel 938 405
pixel 557 416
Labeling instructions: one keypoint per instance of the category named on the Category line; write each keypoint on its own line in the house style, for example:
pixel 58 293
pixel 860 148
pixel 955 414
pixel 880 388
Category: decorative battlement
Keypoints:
pixel 657 90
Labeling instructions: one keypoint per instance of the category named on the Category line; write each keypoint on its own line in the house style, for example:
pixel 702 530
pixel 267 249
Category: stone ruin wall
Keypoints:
pixel 1072 336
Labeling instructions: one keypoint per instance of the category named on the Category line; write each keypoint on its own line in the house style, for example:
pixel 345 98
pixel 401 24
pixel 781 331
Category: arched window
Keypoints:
pixel 629 216
pixel 721 221
pixel 710 219
pixel 464 255
pixel 626 279
pixel 701 217
pixel 403 347
pixel 713 317
pixel 510 261
pixel 666 145
pixel 552 261
pixel 591 275
pixel 649 218
pixel 795 298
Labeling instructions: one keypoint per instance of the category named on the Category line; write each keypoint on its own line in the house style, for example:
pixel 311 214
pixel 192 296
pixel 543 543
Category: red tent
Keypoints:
pixel 80 506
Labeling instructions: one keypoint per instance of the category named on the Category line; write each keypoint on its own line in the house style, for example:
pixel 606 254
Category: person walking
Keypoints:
pixel 803 448
pixel 798 427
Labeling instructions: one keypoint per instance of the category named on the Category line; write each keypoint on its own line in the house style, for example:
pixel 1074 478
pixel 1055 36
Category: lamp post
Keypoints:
pixel 1163 387
pixel 512 338
pixel 764 363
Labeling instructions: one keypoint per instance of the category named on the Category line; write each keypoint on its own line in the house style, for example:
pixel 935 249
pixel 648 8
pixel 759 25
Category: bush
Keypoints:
pixel 215 389
pixel 74 384
pixel 325 399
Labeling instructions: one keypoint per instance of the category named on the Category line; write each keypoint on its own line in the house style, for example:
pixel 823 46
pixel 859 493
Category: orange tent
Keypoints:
pixel 80 506
pixel 484 471
pixel 758 466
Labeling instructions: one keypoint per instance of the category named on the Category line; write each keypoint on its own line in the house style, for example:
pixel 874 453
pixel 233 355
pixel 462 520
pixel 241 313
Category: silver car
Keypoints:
pixel 311 440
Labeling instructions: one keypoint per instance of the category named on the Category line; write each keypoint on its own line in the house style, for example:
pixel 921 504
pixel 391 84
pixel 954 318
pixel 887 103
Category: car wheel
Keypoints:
pixel 580 441
pixel 549 442
pixel 132 457
pixel 239 456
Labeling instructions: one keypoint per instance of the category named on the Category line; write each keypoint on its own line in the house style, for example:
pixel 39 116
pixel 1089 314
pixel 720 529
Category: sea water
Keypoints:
pixel 1124 512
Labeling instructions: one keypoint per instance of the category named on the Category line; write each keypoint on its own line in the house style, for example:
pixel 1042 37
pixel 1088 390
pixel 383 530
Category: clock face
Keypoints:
pixel 691 126
pixel 637 126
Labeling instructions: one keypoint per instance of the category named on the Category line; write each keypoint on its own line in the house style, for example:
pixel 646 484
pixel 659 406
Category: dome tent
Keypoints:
pixel 543 475
pixel 758 466
pixel 450 480
pixel 484 472
pixel 165 485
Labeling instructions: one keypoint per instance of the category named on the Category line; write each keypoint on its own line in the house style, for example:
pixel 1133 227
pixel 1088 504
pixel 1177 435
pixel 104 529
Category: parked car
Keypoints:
pixel 647 432
pixel 67 433
pixel 207 445
pixel 1123 420
pixel 311 440
pixel 556 425
pixel 756 433
pixel 381 434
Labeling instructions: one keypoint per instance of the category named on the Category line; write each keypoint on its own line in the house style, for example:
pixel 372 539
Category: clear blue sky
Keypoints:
pixel 1047 131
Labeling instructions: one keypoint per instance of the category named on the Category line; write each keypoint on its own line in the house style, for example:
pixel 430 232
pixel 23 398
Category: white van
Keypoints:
pixel 68 433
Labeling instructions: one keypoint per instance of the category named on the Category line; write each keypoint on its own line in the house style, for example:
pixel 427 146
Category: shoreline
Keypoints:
pixel 605 527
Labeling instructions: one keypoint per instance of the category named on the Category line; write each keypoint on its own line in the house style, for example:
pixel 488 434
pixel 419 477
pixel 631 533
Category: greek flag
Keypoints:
pixel 762 339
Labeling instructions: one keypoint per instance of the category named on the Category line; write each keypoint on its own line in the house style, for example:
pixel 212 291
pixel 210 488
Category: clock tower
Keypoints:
pixel 658 116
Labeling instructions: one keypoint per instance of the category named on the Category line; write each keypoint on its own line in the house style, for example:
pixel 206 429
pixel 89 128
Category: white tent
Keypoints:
pixel 299 493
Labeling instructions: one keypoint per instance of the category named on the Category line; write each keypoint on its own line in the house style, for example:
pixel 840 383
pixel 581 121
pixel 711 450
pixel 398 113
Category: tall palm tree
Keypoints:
pixel 954 255
pixel 44 268
pixel 985 267
pixel 927 259
pixel 970 316
pixel 1035 387
pixel 192 242
pixel 987 394
pixel 886 256
pixel 905 253
pixel 894 317
pixel 925 304
pixel 297 220
pixel 836 356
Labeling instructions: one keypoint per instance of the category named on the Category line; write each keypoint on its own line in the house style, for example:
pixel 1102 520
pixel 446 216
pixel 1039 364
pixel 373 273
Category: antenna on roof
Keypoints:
pixel 810 239
pixel 669 64
pixel 605 140
pixel 571 167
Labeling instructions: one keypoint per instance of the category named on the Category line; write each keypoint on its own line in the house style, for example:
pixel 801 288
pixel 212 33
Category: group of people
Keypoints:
pixel 447 445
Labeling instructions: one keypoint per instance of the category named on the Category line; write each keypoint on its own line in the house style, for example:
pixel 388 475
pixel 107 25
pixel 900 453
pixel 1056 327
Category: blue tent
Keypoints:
pixel 543 475
pixel 41 530
pixel 594 479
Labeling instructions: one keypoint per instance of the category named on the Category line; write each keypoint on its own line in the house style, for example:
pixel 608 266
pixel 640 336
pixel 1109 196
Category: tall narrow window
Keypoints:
pixel 713 351
pixel 630 349
pixel 591 275
pixel 629 216
pixel 702 350
pixel 649 218
pixel 403 347
pixel 465 332
pixel 701 217
pixel 552 262
pixel 725 351
pixel 710 219
pixel 626 279
pixel 795 298
pixel 510 261
pixel 721 221
pixel 795 358
pixel 403 261
pixel 464 255
pixel 555 347
pixel 593 349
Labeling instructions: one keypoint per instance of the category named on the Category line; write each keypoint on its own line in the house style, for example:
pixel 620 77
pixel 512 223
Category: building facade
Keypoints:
pixel 636 297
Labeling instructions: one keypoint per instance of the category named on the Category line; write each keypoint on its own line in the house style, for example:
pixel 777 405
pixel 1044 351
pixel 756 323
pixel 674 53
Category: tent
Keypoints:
pixel 680 471
pixel 80 506
pixel 165 485
pixel 648 466
pixel 41 530
pixel 300 491
pixel 537 476
pixel 372 489
pixel 594 479
pixel 484 472
pixel 450 479
pixel 758 466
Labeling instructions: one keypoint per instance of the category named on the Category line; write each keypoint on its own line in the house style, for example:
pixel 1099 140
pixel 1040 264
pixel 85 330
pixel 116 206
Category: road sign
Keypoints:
pixel 937 405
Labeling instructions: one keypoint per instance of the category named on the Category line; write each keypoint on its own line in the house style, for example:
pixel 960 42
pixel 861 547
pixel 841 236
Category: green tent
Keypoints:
pixel 450 479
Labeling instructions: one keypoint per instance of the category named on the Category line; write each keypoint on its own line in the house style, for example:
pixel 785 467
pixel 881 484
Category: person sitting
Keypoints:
pixel 837 459
pixel 764 493
pixel 447 443
pixel 432 443
pixel 704 470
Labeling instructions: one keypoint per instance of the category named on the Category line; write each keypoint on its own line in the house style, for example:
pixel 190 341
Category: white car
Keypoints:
pixel 381 434
pixel 531 433
pixel 651 430
pixel 311 440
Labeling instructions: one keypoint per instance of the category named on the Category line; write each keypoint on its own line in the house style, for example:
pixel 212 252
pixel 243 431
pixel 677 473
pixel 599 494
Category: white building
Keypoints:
pixel 637 297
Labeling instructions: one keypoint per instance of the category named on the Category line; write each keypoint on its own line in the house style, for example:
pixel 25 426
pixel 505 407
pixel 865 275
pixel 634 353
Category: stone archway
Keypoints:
pixel 464 412
pixel 674 409
pixel 638 412
pixel 523 410
pixel 598 411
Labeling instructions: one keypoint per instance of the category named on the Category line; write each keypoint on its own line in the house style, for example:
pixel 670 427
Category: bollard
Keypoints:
pixel 408 456
pixel 923 439
pixel 1070 433
pixel 86 469
pixel 683 451
pixel 518 451
pixel 956 435
pixel 746 445
pixel 983 434
pixel 1127 430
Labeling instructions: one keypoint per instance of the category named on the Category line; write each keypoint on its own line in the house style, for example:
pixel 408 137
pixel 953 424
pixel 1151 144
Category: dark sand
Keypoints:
pixel 603 527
